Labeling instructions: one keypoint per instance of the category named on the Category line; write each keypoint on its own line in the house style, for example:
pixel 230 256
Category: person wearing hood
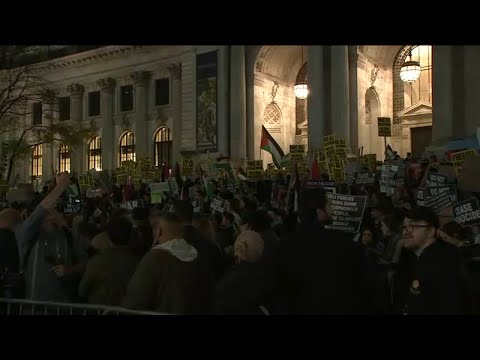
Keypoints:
pixel 169 279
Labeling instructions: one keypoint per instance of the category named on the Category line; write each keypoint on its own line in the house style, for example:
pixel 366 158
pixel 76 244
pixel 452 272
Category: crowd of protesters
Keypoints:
pixel 261 254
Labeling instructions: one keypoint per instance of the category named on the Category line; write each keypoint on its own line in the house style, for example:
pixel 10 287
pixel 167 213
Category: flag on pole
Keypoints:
pixel 269 144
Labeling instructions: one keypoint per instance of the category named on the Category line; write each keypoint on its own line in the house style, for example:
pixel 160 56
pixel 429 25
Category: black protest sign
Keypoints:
pixel 467 212
pixel 132 204
pixel 421 197
pixel 438 198
pixel 365 178
pixel 218 204
pixel 434 179
pixel 328 186
pixel 197 207
pixel 347 212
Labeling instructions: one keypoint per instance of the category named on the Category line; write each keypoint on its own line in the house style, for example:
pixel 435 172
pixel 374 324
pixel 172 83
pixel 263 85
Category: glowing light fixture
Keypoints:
pixel 410 71
pixel 301 88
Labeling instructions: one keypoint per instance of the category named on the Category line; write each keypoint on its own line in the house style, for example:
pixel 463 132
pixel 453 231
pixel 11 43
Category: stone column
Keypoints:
pixel 142 141
pixel 238 109
pixel 442 92
pixel 76 115
pixel 339 92
pixel 317 121
pixel 176 76
pixel 48 161
pixel 353 85
pixel 109 150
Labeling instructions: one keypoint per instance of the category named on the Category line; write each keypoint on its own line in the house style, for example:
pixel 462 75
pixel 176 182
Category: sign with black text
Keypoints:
pixel 384 127
pixel 467 212
pixel 434 179
pixel 347 212
pixel 365 178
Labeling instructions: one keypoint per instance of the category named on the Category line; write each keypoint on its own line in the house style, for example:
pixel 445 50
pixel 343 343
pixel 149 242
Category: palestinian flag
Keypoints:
pixel 269 144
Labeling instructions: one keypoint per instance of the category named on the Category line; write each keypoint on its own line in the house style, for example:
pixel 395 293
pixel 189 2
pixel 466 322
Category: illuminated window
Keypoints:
pixel 37 161
pixel 163 147
pixel 64 158
pixel 95 153
pixel 127 147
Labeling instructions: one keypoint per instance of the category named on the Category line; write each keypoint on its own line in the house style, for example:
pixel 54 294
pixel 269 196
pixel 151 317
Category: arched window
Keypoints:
pixel 127 147
pixel 163 147
pixel 95 153
pixel 64 158
pixel 37 161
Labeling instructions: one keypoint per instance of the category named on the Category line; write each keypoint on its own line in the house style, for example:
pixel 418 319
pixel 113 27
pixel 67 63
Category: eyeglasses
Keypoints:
pixel 411 227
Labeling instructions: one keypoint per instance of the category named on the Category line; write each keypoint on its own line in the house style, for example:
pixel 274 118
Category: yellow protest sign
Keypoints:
pixel 255 169
pixel 297 152
pixel 459 157
pixel 384 127
pixel 187 167
pixel 329 140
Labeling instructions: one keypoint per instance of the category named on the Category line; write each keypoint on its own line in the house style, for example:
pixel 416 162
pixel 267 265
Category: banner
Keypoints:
pixel 467 212
pixel 187 167
pixel 157 191
pixel 328 186
pixel 255 169
pixel 347 212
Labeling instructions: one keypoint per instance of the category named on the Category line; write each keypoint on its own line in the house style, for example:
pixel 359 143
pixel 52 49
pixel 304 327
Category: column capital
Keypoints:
pixel 106 84
pixel 75 89
pixel 140 77
pixel 175 70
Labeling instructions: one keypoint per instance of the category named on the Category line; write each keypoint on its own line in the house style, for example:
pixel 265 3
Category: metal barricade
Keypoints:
pixel 30 307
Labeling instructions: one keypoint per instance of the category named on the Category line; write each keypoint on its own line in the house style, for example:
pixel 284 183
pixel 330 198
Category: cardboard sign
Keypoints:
pixel 459 157
pixel 187 167
pixel 297 152
pixel 328 140
pixel 218 204
pixel 340 144
pixel 467 212
pixel 347 212
pixel 255 169
pixel 157 191
pixel 384 127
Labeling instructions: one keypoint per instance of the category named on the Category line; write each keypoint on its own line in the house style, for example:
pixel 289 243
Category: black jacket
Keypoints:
pixel 431 283
pixel 243 289
pixel 325 269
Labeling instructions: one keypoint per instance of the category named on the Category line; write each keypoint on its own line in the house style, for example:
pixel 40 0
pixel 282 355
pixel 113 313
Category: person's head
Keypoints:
pixel 100 243
pixel 170 227
pixel 9 219
pixel 183 211
pixel 248 247
pixel 119 230
pixel 314 207
pixel 389 225
pixel 227 219
pixel 367 237
pixel 205 226
pixel 420 228
pixel 452 233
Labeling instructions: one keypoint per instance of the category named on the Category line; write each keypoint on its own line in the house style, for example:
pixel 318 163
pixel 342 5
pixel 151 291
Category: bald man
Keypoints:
pixel 247 285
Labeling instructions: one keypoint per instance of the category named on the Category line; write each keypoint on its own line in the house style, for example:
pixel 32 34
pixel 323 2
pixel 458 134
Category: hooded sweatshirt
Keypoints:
pixel 169 280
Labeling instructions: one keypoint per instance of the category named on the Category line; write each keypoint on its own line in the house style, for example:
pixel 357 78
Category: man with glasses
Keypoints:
pixel 429 280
